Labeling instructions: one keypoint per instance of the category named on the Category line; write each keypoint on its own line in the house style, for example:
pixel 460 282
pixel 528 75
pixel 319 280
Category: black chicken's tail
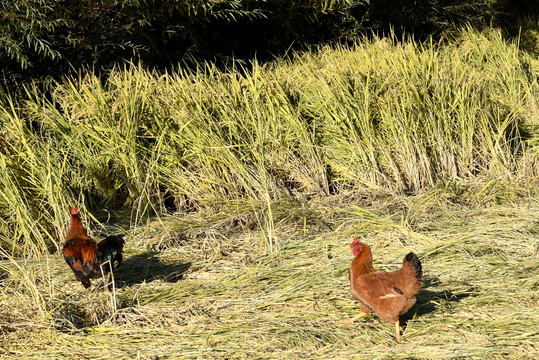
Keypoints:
pixel 110 249
pixel 413 259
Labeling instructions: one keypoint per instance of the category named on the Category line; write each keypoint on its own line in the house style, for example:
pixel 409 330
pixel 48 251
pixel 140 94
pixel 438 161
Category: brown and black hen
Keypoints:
pixel 388 294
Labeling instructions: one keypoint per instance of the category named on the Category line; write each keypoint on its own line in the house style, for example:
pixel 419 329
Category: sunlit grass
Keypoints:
pixel 197 286
pixel 377 115
pixel 239 192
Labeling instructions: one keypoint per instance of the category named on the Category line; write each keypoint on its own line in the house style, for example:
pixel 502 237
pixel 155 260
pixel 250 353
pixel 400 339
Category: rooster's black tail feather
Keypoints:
pixel 110 249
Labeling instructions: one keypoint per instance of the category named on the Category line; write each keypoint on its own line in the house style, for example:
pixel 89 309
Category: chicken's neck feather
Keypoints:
pixel 362 263
pixel 76 230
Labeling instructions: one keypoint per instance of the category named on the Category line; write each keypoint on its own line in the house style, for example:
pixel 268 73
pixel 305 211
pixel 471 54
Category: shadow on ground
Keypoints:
pixel 147 267
pixel 430 300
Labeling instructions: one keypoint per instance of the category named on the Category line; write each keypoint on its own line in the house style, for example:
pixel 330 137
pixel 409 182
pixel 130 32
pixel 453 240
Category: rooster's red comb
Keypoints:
pixel 74 211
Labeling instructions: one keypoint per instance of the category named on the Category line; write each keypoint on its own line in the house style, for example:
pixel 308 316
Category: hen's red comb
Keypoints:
pixel 74 211
pixel 356 247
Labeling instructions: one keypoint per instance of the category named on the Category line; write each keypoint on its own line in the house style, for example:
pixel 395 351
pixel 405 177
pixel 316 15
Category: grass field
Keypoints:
pixel 197 287
pixel 379 115
pixel 239 192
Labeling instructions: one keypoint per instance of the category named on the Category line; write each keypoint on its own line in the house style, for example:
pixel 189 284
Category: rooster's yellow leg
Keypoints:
pixel 351 320
pixel 397 330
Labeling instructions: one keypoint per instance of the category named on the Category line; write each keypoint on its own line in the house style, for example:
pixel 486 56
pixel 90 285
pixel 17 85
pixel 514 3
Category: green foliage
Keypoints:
pixel 22 24
pixel 49 39
pixel 39 38
pixel 424 18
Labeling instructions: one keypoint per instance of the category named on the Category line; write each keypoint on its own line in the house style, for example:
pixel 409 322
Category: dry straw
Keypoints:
pixel 426 148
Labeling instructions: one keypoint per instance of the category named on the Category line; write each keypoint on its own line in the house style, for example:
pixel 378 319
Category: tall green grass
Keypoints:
pixel 381 114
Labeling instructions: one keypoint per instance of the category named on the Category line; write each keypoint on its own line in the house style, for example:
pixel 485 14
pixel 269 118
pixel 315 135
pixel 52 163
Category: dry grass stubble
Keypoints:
pixel 200 287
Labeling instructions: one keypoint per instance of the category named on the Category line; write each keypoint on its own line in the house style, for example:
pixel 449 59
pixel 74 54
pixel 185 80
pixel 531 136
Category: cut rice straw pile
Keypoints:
pixel 199 288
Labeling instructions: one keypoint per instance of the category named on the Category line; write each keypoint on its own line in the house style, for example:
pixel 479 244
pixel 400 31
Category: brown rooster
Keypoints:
pixel 87 258
pixel 388 294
